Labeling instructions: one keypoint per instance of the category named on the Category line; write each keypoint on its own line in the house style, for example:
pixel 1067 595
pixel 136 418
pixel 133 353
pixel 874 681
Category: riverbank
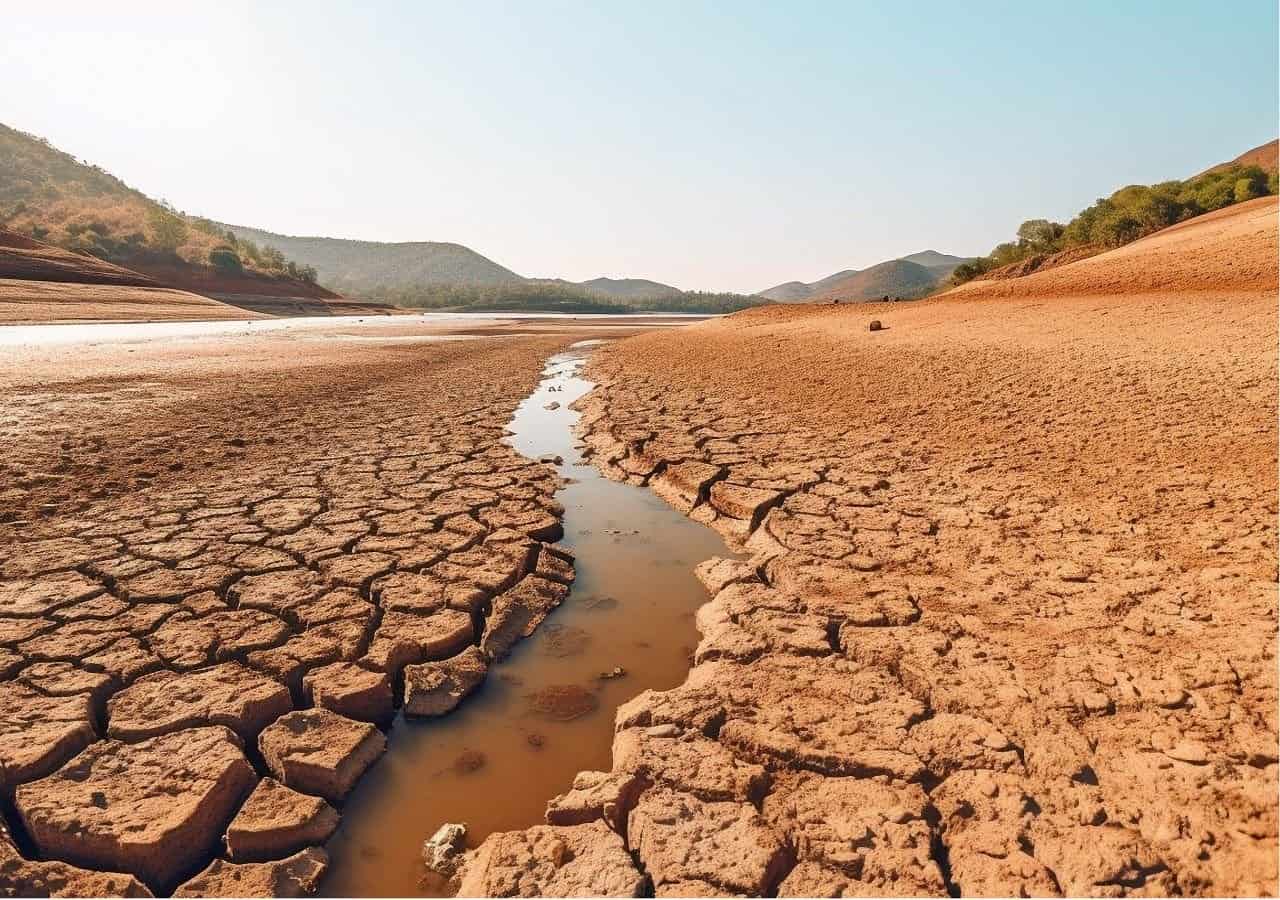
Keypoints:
pixel 1009 621
pixel 219 553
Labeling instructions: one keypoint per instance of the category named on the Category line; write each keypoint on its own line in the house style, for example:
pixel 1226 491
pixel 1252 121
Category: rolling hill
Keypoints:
pixel 629 288
pixel 374 268
pixel 358 267
pixel 1222 253
pixel 52 197
pixel 908 276
pixel 1265 156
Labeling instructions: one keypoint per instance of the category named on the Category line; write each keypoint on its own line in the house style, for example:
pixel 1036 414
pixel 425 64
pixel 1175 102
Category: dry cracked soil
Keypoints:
pixel 1007 625
pixel 222 561
pixel 1004 623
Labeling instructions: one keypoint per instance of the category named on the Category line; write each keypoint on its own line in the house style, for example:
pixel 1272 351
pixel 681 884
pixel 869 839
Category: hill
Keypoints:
pixel 1229 251
pixel 363 267
pixel 907 276
pixel 895 278
pixel 51 196
pixel 629 288
pixel 1129 214
pixel 1265 156
pixel 26 258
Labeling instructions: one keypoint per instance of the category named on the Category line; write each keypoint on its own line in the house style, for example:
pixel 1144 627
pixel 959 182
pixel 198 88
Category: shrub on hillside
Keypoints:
pixel 1130 213
pixel 225 260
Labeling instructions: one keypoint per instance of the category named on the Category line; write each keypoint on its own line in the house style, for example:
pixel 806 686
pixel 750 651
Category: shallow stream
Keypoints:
pixel 494 762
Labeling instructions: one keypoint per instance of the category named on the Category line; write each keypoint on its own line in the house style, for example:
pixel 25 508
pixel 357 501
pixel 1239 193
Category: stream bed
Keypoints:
pixel 494 762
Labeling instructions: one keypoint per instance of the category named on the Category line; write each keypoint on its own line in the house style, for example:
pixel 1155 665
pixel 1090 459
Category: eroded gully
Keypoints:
pixel 495 761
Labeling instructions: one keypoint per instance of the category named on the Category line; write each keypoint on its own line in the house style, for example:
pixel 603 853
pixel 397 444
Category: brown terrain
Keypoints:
pixel 41 283
pixel 219 561
pixel 1008 623
pixel 1004 623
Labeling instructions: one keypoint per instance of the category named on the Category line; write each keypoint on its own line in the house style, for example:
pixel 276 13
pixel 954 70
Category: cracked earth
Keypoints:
pixel 218 582
pixel 1005 623
pixel 1008 621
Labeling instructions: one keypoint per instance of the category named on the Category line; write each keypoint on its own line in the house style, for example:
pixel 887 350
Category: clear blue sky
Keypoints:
pixel 718 146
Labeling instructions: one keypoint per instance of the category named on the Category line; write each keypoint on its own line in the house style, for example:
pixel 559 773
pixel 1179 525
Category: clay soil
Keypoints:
pixel 217 558
pixel 1009 621
pixel 24 302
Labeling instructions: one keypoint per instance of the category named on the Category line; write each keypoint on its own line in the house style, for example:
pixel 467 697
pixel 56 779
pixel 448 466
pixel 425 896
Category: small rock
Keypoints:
pixel 442 852
pixel 875 325
pixel 552 405
pixel 1189 752
pixel 615 672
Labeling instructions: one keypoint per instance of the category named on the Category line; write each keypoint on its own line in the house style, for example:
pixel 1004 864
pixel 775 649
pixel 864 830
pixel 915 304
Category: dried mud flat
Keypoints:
pixel 219 562
pixel 1008 624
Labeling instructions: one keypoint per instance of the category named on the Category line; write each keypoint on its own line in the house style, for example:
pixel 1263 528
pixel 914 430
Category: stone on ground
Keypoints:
pixel 350 690
pixel 435 688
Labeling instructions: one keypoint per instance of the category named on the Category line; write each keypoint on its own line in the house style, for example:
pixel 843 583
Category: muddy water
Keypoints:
pixel 631 606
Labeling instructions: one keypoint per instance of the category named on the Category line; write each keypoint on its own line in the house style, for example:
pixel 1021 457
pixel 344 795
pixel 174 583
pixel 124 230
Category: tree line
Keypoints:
pixel 1130 213
pixel 542 297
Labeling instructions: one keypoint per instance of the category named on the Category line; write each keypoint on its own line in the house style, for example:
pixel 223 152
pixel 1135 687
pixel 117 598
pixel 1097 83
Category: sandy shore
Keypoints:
pixel 1008 625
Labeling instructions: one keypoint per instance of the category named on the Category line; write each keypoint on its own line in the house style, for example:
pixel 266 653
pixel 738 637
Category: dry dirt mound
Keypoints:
pixel 1266 156
pixel 27 258
pixel 1232 250
pixel 25 302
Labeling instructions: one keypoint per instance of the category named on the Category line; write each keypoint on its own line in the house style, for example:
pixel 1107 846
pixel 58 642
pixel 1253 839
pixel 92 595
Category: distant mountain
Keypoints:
pixel 629 288
pixel 908 276
pixel 788 292
pixel 358 267
pixel 895 278
pixel 1265 156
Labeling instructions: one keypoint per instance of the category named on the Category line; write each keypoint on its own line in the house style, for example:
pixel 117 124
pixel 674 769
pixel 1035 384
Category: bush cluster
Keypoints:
pixel 1130 213
pixel 553 297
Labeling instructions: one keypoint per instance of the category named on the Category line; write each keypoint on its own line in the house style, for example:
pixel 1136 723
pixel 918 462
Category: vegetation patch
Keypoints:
pixel 1130 213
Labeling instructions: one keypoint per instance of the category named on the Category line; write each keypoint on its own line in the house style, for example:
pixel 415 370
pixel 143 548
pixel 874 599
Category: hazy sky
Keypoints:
pixel 718 146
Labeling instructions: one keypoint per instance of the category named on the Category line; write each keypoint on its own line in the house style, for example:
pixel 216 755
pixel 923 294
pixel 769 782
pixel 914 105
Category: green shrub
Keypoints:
pixel 225 260
pixel 1130 213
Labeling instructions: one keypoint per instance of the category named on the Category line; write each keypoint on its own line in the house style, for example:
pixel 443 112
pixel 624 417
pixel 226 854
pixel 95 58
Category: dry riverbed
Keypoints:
pixel 225 560
pixel 1008 623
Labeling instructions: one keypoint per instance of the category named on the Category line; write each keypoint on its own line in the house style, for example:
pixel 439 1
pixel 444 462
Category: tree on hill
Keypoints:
pixel 55 197
pixel 168 230
pixel 1130 213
